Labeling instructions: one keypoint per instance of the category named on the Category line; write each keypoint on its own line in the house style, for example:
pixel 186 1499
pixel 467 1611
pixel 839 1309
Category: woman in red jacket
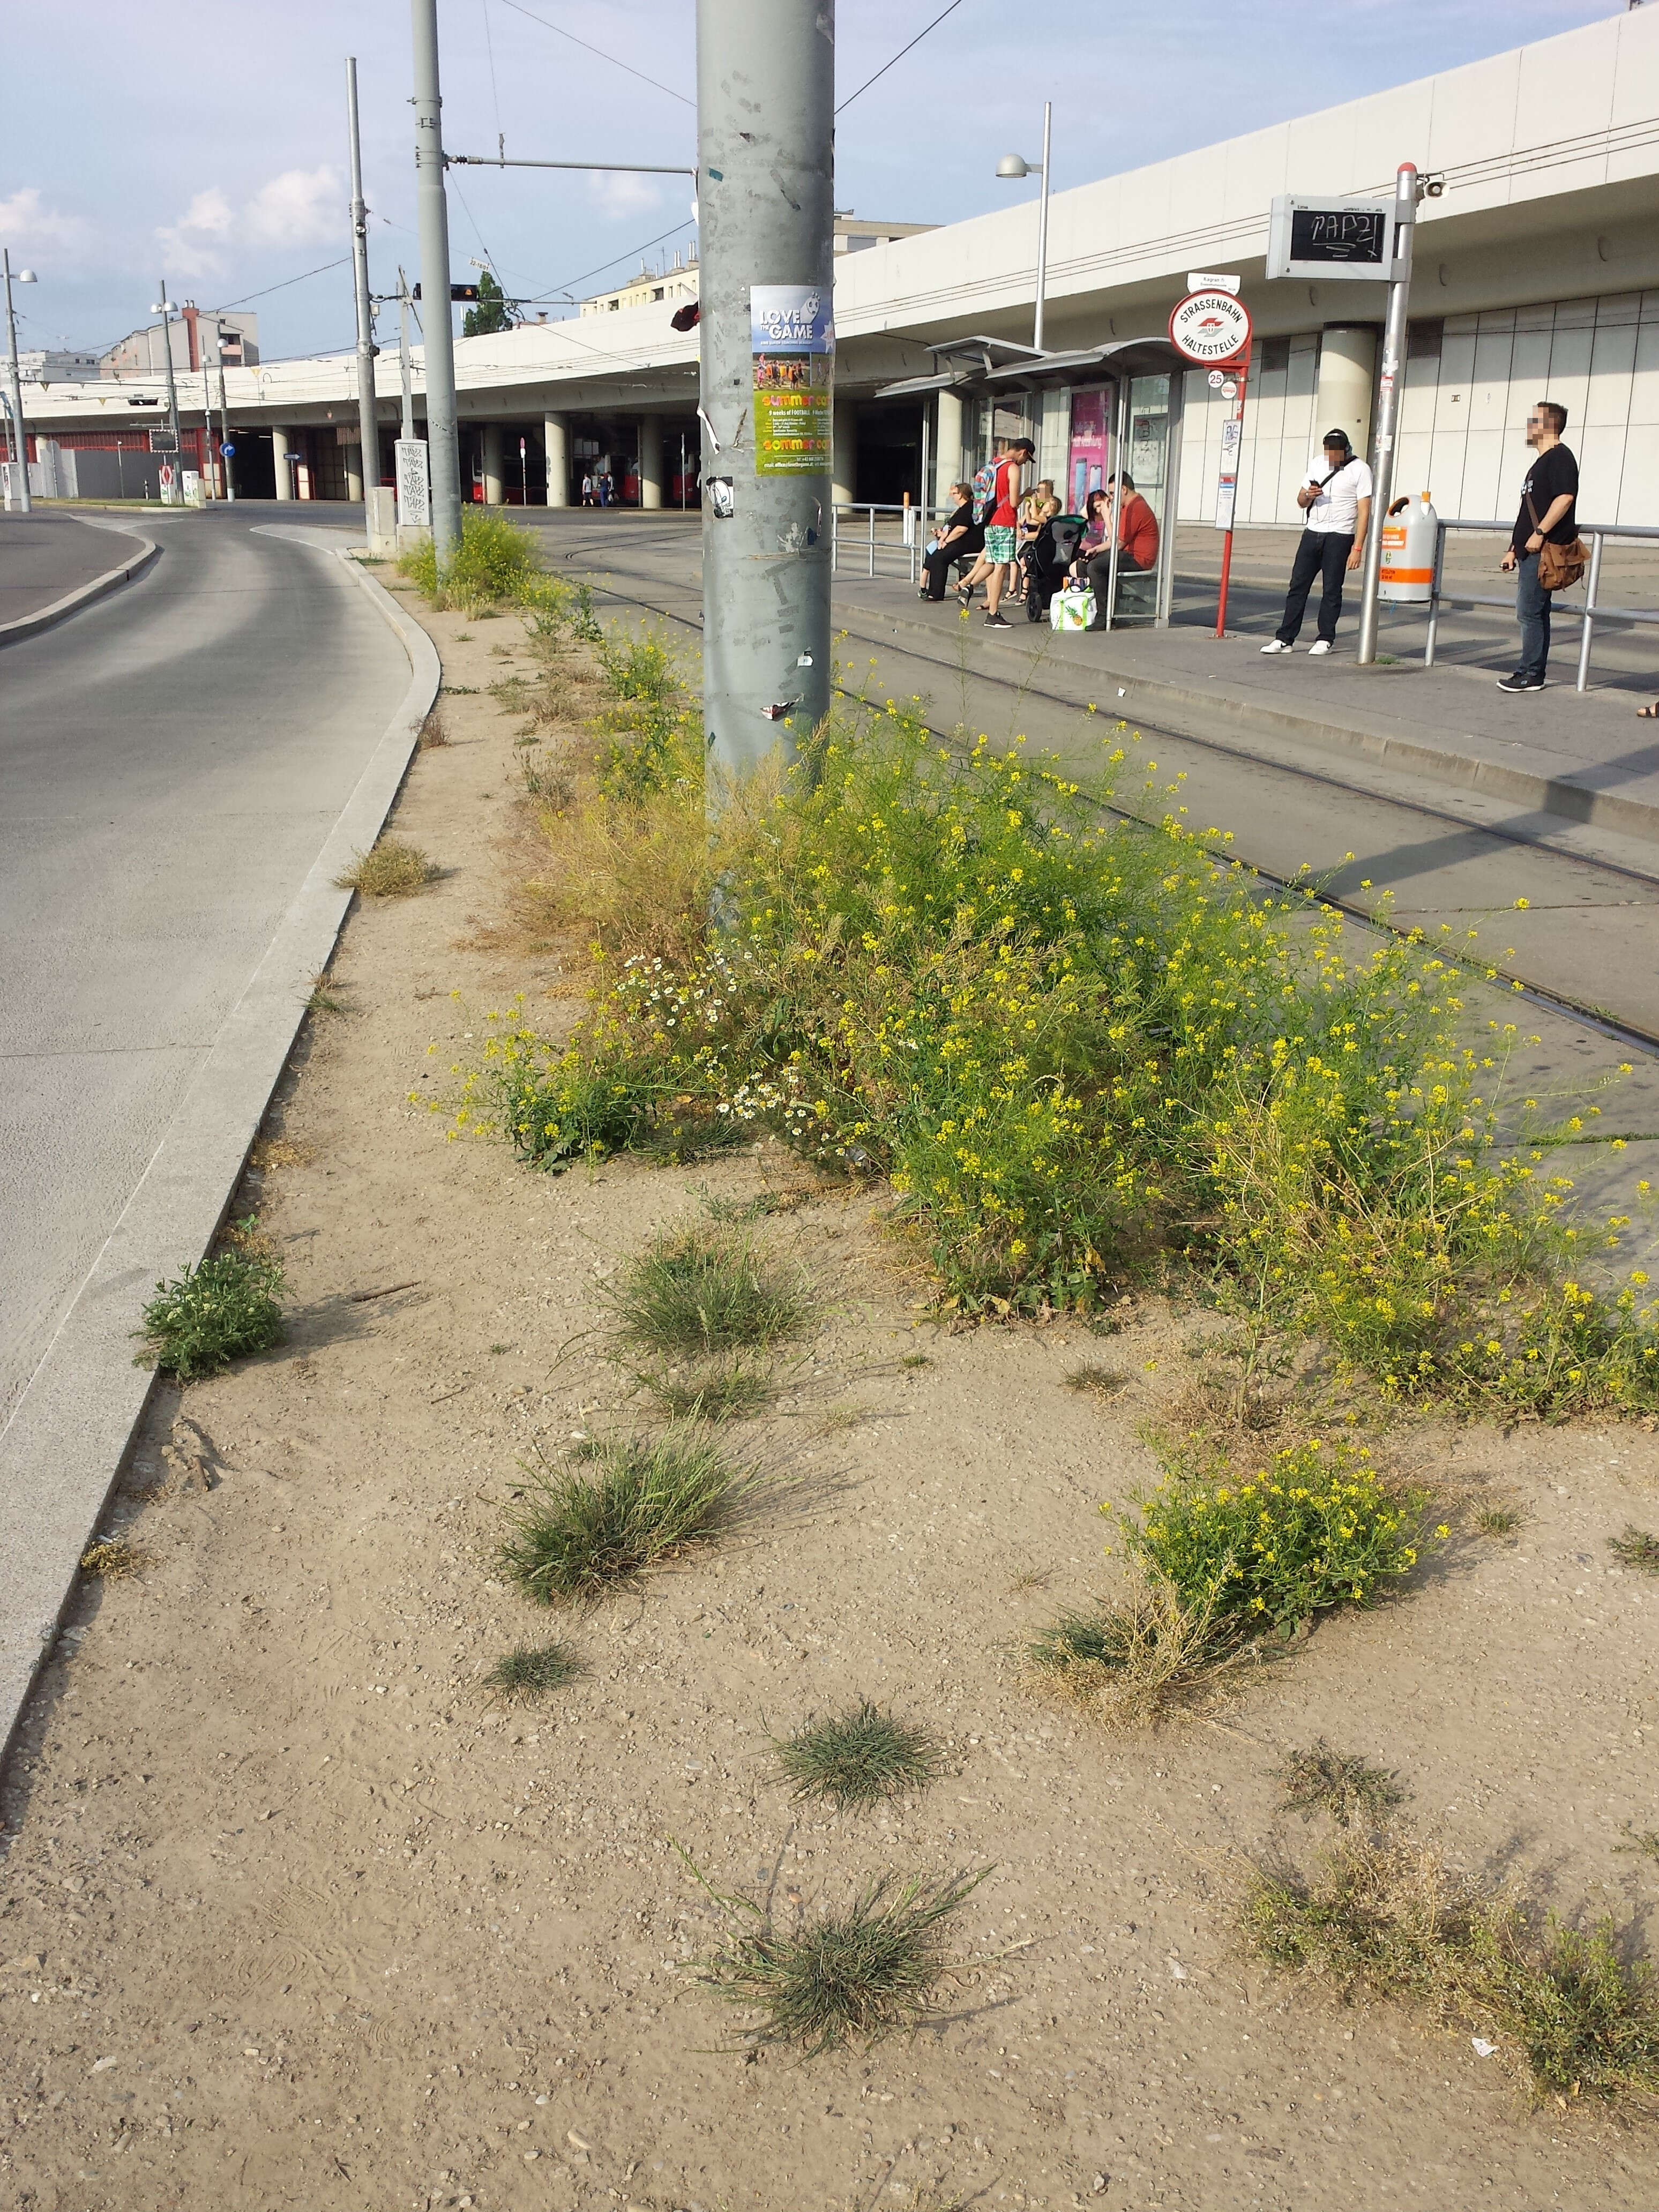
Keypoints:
pixel 1137 539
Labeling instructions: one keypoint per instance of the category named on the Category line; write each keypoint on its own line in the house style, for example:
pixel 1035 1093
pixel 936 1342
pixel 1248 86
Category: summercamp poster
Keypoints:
pixel 793 339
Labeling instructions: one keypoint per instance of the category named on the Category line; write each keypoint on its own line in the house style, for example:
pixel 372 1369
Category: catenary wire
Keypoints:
pixel 559 31
pixel 899 55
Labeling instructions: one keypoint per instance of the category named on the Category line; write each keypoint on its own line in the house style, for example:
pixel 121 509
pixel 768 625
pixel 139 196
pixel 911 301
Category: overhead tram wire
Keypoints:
pixel 896 58
pixel 320 269
pixel 559 31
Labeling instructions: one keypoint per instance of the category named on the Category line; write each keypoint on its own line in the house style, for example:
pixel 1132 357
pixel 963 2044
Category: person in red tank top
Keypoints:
pixel 1001 533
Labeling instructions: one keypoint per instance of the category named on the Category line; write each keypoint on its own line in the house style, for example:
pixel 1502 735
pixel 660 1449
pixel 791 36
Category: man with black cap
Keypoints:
pixel 1336 501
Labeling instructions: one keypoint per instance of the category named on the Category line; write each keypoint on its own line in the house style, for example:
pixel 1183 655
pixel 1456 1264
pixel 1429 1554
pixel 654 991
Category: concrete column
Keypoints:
pixel 649 438
pixel 285 473
pixel 947 457
pixel 844 462
pixel 555 436
pixel 1347 371
pixel 492 463
pixel 353 459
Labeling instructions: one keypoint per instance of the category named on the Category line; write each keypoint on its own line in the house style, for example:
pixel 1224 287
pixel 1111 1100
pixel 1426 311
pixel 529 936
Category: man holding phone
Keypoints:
pixel 1336 503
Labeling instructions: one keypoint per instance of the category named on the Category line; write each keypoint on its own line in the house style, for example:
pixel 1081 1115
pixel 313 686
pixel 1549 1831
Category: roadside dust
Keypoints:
pixel 294 1913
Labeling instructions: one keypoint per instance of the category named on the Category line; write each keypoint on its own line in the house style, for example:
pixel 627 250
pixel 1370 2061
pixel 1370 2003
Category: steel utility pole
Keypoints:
pixel 225 456
pixel 443 449
pixel 164 308
pixel 368 434
pixel 765 211
pixel 1387 402
pixel 405 374
pixel 15 387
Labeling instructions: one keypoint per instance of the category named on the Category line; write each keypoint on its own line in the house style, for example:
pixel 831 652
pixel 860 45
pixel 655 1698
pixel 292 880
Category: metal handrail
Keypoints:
pixel 1589 610
pixel 916 518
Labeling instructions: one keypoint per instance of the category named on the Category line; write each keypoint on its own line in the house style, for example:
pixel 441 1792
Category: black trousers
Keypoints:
pixel 1324 554
pixel 939 564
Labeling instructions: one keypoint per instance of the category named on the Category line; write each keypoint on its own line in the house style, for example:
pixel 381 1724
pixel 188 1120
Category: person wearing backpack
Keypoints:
pixel 996 503
pixel 1336 505
pixel 1544 551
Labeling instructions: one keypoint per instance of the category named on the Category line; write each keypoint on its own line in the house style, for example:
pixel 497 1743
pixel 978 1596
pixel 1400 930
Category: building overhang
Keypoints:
pixel 977 370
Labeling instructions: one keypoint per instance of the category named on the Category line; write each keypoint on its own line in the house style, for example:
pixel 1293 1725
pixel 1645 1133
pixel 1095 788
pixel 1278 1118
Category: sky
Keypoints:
pixel 205 141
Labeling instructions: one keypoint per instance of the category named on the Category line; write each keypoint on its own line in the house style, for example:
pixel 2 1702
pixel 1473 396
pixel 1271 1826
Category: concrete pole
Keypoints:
pixel 405 372
pixel 14 393
pixel 224 429
pixel 492 463
pixel 947 461
pixel 443 452
pixel 279 458
pixel 844 465
pixel 1388 402
pixel 354 460
pixel 649 443
pixel 556 441
pixel 369 435
pixel 164 310
pixel 1040 317
pixel 1347 369
pixel 765 206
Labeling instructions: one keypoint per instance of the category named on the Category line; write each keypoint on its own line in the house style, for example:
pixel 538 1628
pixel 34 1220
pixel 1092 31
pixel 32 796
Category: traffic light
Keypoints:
pixel 468 292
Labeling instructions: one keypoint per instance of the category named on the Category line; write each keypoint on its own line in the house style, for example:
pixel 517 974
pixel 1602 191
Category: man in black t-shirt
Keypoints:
pixel 1547 510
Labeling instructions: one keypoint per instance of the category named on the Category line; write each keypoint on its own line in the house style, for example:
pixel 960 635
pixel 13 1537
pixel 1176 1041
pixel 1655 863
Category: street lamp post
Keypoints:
pixel 165 308
pixel 1013 166
pixel 225 456
pixel 15 382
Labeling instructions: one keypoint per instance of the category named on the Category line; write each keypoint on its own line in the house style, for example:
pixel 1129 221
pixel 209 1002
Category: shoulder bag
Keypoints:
pixel 1560 567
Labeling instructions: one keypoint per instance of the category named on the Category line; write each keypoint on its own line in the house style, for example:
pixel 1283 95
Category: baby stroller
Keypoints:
pixel 1047 559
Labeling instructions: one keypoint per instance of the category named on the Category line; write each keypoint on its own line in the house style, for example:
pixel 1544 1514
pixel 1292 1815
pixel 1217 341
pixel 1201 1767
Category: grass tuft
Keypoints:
pixel 393 870
pixel 1338 1783
pixel 1637 1547
pixel 532 1671
pixel 434 731
pixel 858 1758
pixel 703 1291
pixel 208 1316
pixel 1094 1381
pixel 848 1978
pixel 1385 1916
pixel 734 1391
pixel 633 1505
pixel 1141 1661
pixel 112 1559
pixel 1498 1520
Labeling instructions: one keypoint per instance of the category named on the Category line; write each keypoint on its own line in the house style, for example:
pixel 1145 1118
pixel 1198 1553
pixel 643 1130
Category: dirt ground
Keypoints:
pixel 292 1913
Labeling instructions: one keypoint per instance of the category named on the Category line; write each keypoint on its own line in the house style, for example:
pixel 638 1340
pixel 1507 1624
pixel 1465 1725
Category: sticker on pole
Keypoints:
pixel 414 485
pixel 1211 327
pixel 792 340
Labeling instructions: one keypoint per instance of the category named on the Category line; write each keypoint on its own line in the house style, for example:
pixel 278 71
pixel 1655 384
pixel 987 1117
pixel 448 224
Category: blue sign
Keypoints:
pixel 228 450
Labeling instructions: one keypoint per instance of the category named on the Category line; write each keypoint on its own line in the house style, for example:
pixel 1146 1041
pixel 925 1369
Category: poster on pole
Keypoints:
pixel 414 492
pixel 793 341
pixel 1226 490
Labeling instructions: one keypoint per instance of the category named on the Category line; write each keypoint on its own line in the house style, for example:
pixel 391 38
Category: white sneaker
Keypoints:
pixel 1320 645
pixel 1275 645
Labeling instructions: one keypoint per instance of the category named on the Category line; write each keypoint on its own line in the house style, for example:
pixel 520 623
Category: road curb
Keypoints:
pixel 66 1442
pixel 1213 717
pixel 13 632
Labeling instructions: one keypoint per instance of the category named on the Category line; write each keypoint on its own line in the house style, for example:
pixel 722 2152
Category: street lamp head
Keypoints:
pixel 1011 165
pixel 26 277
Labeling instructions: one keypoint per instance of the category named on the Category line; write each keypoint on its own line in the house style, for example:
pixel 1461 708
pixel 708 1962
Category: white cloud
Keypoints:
pixel 300 207
pixel 35 232
pixel 624 195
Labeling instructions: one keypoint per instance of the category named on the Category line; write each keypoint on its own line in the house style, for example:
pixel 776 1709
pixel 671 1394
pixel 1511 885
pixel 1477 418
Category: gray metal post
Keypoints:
pixel 765 206
pixel 14 394
pixel 224 427
pixel 1388 402
pixel 172 389
pixel 443 458
pixel 1592 590
pixel 1041 316
pixel 405 374
pixel 368 434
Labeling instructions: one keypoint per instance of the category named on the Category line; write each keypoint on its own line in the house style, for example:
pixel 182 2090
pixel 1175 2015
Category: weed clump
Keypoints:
pixel 207 1316
pixel 734 1391
pixel 1339 1784
pixel 858 1758
pixel 852 1977
pixel 1097 1381
pixel 703 1291
pixel 531 1672
pixel 1498 1520
pixel 1384 1915
pixel 1140 1661
pixel 494 564
pixel 579 1533
pixel 112 1559
pixel 1318 1529
pixel 1637 1547
pixel 393 870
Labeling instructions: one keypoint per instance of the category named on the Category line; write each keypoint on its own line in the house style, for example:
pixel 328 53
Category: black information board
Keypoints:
pixel 1340 236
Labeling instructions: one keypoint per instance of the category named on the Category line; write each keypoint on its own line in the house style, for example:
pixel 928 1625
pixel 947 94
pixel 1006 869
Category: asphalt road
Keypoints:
pixel 172 761
pixel 44 556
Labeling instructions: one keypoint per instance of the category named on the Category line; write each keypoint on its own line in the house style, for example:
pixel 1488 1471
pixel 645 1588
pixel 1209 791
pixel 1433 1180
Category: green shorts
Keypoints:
pixel 1000 543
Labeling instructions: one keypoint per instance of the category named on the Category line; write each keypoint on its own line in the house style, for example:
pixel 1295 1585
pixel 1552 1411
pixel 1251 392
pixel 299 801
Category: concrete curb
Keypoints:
pixel 65 1444
pixel 1215 716
pixel 12 633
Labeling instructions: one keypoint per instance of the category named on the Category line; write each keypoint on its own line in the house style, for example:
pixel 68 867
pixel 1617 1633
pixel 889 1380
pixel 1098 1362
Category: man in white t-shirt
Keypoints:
pixel 1335 499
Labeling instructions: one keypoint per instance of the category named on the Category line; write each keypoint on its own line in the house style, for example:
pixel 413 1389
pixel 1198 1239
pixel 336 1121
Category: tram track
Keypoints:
pixel 1599 1019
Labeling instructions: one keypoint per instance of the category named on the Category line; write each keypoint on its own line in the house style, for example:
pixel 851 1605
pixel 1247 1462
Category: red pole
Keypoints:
pixel 1227 539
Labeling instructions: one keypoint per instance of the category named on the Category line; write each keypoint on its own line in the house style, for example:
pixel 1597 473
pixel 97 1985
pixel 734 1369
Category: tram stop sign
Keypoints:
pixel 1211 327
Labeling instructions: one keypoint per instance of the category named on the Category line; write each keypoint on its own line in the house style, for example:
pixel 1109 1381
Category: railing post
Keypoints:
pixel 1596 543
pixel 873 541
pixel 1434 595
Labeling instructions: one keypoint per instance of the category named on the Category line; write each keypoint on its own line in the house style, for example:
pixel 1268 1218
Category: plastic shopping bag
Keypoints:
pixel 1072 610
